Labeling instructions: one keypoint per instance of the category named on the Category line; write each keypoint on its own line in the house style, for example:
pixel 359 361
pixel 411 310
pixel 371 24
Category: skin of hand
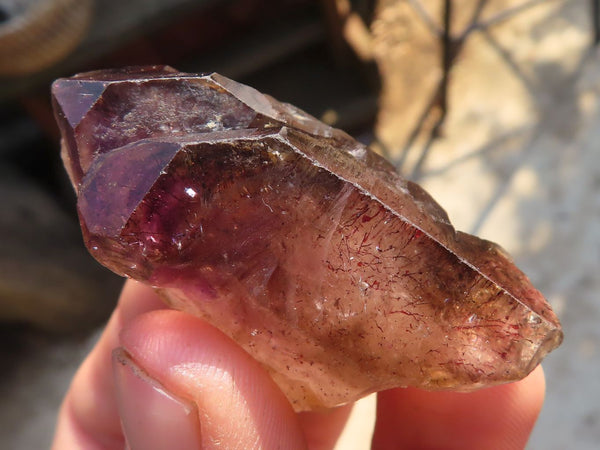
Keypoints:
pixel 162 379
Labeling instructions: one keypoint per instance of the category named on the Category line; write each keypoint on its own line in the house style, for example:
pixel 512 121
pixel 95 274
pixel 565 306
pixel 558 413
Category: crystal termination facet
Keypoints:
pixel 305 247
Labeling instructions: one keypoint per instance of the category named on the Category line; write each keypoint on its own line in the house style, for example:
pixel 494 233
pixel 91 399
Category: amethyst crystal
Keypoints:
pixel 309 250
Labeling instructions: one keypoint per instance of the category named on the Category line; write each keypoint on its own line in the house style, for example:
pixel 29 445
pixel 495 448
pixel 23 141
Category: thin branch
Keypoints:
pixel 507 181
pixel 448 53
pixel 477 13
pixel 489 147
pixel 426 18
pixel 502 16
pixel 510 62
pixel 418 127
pixel 596 21
pixel 417 172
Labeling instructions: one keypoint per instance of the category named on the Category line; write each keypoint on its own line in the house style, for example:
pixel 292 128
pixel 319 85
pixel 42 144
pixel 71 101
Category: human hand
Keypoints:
pixel 176 382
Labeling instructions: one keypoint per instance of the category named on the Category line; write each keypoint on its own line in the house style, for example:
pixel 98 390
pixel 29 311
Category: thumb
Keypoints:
pixel 181 383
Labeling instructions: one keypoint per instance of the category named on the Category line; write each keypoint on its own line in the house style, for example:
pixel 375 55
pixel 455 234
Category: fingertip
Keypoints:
pixel 322 429
pixel 499 417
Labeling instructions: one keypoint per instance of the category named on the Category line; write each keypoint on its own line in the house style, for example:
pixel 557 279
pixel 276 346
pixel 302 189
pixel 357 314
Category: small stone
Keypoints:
pixel 340 277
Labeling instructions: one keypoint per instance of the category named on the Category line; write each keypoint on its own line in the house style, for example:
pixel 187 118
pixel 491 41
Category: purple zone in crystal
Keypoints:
pixel 335 273
pixel 104 110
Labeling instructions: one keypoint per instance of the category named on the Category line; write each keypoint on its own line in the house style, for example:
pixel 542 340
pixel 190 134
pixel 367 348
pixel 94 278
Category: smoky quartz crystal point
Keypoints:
pixel 340 277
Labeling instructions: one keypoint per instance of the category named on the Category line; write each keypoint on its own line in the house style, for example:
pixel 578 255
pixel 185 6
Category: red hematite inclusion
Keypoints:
pixel 338 275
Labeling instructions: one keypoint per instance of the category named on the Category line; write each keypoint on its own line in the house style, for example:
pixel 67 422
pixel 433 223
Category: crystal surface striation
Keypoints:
pixel 339 276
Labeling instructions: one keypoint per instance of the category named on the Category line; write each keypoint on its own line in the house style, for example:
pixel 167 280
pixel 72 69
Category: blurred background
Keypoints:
pixel 492 105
